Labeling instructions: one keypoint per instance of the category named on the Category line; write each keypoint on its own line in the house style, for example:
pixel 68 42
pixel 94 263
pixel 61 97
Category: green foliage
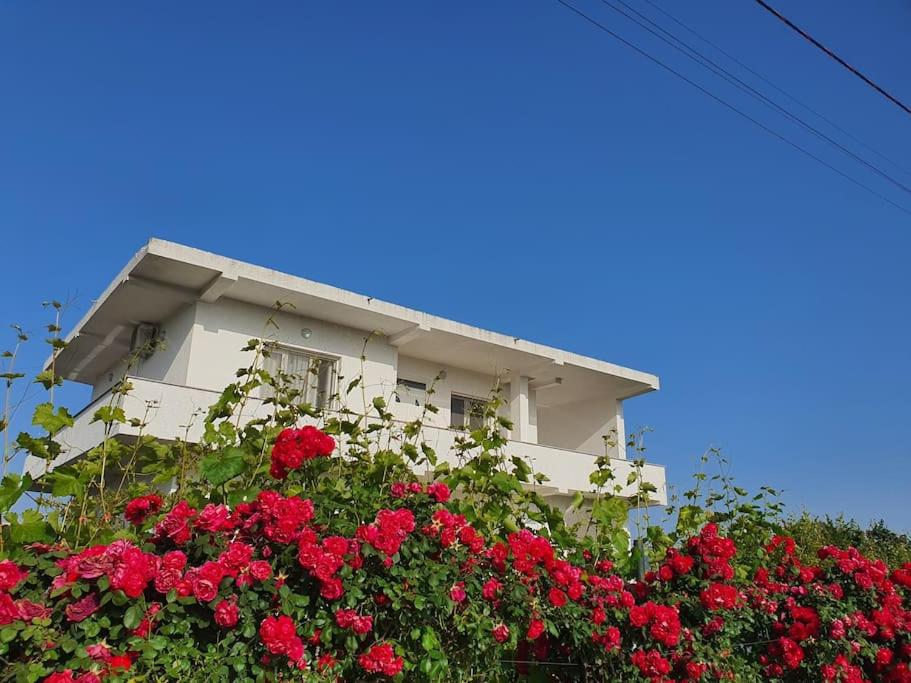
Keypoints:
pixel 81 505
pixel 11 489
pixel 220 468
pixel 876 540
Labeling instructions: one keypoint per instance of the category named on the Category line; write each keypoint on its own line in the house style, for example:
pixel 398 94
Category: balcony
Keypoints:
pixel 173 411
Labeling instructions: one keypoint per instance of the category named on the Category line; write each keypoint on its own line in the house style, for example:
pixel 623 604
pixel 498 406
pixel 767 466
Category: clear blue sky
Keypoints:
pixel 507 165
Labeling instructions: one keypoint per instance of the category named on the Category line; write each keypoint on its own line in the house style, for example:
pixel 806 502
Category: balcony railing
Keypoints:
pixel 175 411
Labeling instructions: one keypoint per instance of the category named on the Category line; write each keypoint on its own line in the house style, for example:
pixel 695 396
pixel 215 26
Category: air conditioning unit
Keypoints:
pixel 145 339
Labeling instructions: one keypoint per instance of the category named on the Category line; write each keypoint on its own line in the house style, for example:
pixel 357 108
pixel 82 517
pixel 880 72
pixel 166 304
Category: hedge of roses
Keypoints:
pixel 292 587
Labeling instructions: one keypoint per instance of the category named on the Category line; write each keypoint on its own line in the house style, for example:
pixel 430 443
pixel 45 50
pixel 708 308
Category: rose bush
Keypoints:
pixel 276 552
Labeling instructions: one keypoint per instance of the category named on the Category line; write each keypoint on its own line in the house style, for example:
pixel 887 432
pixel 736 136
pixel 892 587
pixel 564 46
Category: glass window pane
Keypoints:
pixel 410 392
pixel 273 365
pixel 457 410
pixel 313 377
pixel 476 414
pixel 325 375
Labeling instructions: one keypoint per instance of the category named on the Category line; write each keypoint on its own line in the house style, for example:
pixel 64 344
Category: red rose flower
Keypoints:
pixel 237 556
pixel 260 570
pixel 457 592
pixel 719 596
pixel 176 524
pixel 326 662
pixel 100 652
pixel 350 619
pixel 10 575
pixel 439 491
pixel 205 581
pixel 556 597
pixel 381 659
pixel 9 610
pixel 121 662
pixel 279 635
pixel 214 519
pixel 138 509
pixel 148 620
pixel 491 589
pixel 535 629
pixel 83 608
pixel 227 613
pixel 651 663
pixel 388 531
pixel 293 447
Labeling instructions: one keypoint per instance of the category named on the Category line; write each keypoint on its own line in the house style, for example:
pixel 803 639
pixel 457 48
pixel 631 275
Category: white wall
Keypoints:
pixel 457 381
pixel 168 363
pixel 223 328
pixel 203 349
pixel 581 426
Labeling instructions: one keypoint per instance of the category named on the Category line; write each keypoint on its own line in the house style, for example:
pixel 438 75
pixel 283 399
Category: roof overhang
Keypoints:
pixel 163 277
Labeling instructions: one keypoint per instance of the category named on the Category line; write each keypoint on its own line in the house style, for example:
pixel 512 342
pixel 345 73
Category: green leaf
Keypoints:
pixel 53 421
pixel 109 415
pixel 33 446
pixel 31 528
pixel 48 379
pixel 242 496
pixel 429 640
pixel 578 498
pixel 11 490
pixel 522 470
pixel 65 482
pixel 133 617
pixel 219 468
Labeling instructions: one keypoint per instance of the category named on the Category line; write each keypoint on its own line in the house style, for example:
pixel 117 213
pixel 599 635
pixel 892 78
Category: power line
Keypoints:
pixel 794 27
pixel 766 80
pixel 734 80
pixel 728 105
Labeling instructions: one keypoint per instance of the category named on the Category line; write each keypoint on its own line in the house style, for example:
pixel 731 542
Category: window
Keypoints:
pixel 313 376
pixel 410 392
pixel 466 412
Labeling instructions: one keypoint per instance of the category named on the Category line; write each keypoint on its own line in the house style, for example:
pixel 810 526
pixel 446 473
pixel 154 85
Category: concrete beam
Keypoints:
pixel 545 368
pixel 97 348
pixel 539 384
pixel 408 334
pixel 182 293
pixel 217 288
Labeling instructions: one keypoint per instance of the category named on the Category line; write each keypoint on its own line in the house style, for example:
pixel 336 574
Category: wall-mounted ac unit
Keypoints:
pixel 145 339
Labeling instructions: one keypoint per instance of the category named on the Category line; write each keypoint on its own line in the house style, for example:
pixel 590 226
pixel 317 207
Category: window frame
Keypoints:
pixel 411 384
pixel 468 399
pixel 288 349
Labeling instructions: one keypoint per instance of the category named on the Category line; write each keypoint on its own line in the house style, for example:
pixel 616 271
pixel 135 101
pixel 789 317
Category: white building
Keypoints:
pixel 206 307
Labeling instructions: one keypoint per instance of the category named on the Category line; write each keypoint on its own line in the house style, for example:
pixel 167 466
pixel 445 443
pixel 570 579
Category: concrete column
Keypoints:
pixel 520 407
pixel 532 416
pixel 615 424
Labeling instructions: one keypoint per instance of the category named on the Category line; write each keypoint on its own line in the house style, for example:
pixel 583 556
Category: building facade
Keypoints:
pixel 202 309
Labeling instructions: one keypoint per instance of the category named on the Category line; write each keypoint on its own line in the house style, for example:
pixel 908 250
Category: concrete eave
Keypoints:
pixel 164 276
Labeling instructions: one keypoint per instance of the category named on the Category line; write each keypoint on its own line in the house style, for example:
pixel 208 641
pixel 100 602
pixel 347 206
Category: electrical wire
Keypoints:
pixel 728 105
pixel 733 79
pixel 806 36
pixel 770 83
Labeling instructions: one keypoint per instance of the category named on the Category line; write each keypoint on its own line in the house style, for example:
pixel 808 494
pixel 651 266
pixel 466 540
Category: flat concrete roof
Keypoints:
pixel 163 276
